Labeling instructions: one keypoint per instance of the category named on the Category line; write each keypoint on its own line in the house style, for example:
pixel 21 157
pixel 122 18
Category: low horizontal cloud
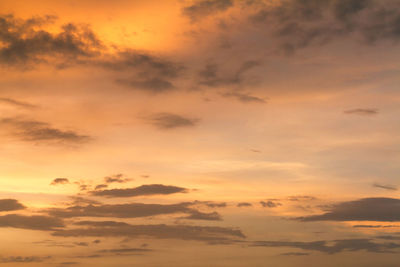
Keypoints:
pixel 59 181
pixel 367 209
pixel 23 259
pixel 386 186
pixel 36 131
pixel 17 103
pixel 132 210
pixel 35 222
pixel 334 246
pixel 270 204
pixel 10 205
pixel 116 178
pixel 208 234
pixel 245 98
pixel 244 204
pixel 167 121
pixel 361 111
pixel 143 190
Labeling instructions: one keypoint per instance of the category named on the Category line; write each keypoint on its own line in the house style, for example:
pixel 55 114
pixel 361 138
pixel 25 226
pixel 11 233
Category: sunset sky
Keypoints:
pixel 200 133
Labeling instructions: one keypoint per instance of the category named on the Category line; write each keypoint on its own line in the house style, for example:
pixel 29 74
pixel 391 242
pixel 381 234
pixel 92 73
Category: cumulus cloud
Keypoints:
pixel 10 205
pixel 204 8
pixel 116 178
pixel 143 190
pixel 334 246
pixel 366 209
pixel 26 41
pixel 59 181
pixel 167 121
pixel 244 204
pixel 270 204
pixel 35 222
pixel 36 131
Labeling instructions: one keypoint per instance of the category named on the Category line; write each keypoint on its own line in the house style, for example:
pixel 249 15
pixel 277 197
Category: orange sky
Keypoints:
pixel 199 133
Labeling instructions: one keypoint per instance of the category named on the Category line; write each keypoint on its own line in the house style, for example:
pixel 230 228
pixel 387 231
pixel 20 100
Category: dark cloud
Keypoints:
pixel 270 204
pixel 23 259
pixel 100 186
pixel 335 246
pixel 166 121
pixel 212 75
pixel 116 178
pixel 143 190
pixel 159 231
pixel 76 200
pixel 204 8
pixel 17 103
pixel 244 204
pixel 373 226
pixel 81 244
pixel 210 204
pixel 301 198
pixel 300 23
pixel 24 42
pixel 59 181
pixel 131 210
pixel 362 111
pixel 387 187
pixel 295 254
pixel 36 131
pixel 245 98
pixel 367 209
pixel 35 222
pixel 10 204
pixel 119 251
pixel 197 215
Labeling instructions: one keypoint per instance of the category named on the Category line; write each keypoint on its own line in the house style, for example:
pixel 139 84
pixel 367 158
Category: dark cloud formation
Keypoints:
pixel 212 75
pixel 210 204
pixel 59 181
pixel 295 254
pixel 36 131
pixel 204 8
pixel 386 187
pixel 208 234
pixel 142 71
pixel 244 204
pixel 301 198
pixel 132 210
pixel 167 121
pixel 362 111
pixel 119 251
pixel 23 259
pixel 300 23
pixel 335 246
pixel 10 205
pixel 116 178
pixel 270 204
pixel 143 190
pixel 27 41
pixel 100 186
pixel 367 209
pixel 35 222
pixel 245 98
pixel 17 103
pixel 373 226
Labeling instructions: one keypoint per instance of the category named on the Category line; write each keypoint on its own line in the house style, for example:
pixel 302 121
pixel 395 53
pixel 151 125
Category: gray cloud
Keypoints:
pixel 300 23
pixel 337 246
pixel 160 231
pixel 361 111
pixel 23 259
pixel 244 204
pixel 367 209
pixel 116 178
pixel 373 226
pixel 245 98
pixel 387 187
pixel 10 204
pixel 131 210
pixel 26 41
pixel 301 198
pixel 17 103
pixel 143 190
pixel 166 121
pixel 270 204
pixel 35 222
pixel 295 254
pixel 204 8
pixel 59 181
pixel 36 131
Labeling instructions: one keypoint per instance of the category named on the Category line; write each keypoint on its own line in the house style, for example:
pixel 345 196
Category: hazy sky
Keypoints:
pixel 200 133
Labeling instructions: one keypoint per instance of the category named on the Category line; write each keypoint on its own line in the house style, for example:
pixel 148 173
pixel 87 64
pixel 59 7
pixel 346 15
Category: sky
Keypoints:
pixel 200 133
